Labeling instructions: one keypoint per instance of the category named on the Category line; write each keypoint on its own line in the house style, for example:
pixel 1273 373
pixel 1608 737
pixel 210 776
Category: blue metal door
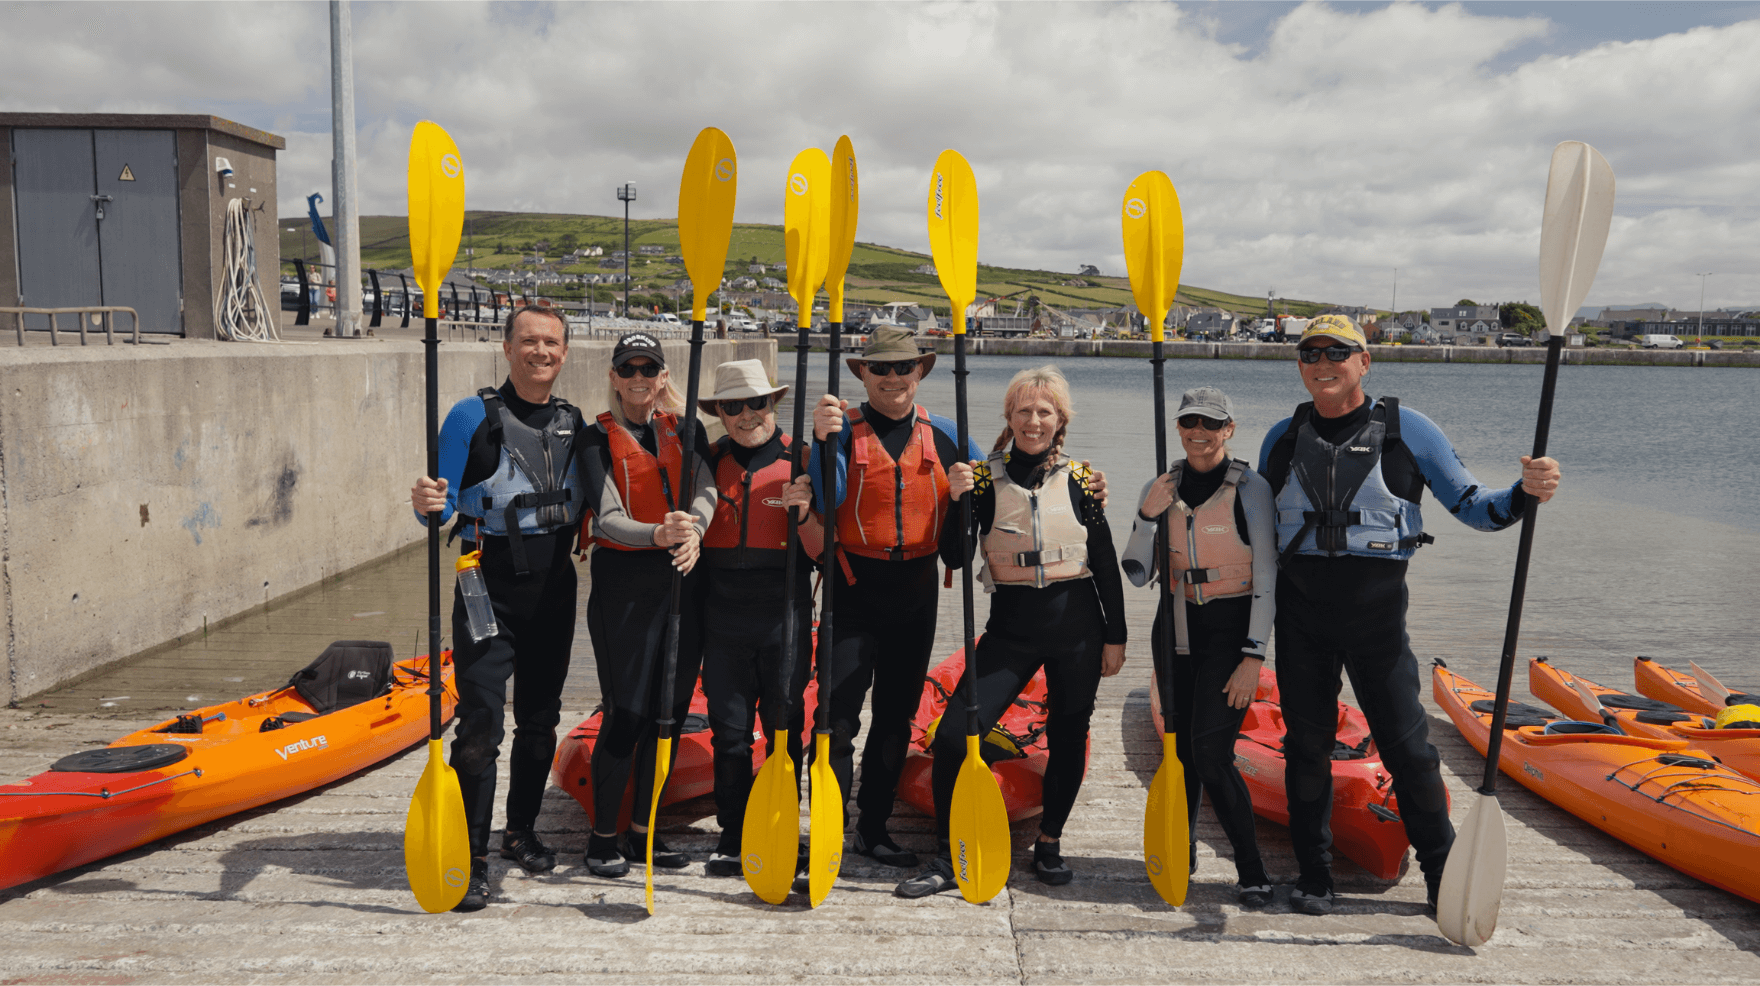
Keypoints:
pixel 57 228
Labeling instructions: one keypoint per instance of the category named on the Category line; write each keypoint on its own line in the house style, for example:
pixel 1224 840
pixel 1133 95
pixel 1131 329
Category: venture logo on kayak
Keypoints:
pixel 301 746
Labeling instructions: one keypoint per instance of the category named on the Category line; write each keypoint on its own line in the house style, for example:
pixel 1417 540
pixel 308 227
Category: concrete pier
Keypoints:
pixel 1747 356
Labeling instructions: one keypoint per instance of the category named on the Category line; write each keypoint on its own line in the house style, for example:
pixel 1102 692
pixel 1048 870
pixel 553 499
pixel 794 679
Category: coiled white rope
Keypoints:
pixel 240 313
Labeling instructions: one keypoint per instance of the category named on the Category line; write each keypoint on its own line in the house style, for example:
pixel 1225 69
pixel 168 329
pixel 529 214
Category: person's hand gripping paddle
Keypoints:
pixel 436 841
pixel 977 822
pixel 825 833
pixel 706 193
pixel 1573 231
pixel 770 841
pixel 1154 249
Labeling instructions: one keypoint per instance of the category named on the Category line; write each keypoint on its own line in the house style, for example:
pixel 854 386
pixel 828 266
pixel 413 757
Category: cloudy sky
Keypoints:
pixel 1316 146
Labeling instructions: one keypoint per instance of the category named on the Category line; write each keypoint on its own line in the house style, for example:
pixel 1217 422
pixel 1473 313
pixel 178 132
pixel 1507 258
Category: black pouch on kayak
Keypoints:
pixel 349 672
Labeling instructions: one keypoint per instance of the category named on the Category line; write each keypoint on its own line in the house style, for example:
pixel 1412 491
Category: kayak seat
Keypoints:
pixel 1662 718
pixel 1640 703
pixel 1682 760
pixel 1343 751
pixel 284 720
pixel 348 673
pixel 122 759
pixel 1570 727
pixel 695 722
pixel 1519 714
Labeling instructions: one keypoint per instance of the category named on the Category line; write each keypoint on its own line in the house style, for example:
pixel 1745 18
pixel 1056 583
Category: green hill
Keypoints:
pixel 877 274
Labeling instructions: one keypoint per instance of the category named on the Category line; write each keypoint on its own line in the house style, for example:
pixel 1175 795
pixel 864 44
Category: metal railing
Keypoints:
pixel 104 315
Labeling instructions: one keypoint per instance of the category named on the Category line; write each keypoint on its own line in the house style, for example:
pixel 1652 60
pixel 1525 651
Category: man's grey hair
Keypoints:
pixel 555 313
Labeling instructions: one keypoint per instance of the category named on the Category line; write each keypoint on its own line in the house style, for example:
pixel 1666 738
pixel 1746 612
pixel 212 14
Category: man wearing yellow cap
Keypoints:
pixel 1348 472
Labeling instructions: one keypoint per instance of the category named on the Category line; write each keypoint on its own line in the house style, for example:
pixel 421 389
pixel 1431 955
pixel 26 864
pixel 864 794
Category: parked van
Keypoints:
pixel 1660 342
pixel 667 317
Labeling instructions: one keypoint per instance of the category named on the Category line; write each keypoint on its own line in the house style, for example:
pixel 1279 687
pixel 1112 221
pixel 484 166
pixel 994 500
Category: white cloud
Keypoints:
pixel 1351 142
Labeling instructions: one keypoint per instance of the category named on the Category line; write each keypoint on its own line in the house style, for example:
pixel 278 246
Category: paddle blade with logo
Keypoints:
pixel 1579 210
pixel 1154 245
pixel 953 232
pixel 806 227
pixel 770 841
pixel 436 209
pixel 977 826
pixel 436 843
pixel 706 193
pixel 846 204
pixel 1167 836
pixel 825 836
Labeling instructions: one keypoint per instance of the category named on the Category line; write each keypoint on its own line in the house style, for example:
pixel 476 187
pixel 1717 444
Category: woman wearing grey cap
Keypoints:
pixel 1223 549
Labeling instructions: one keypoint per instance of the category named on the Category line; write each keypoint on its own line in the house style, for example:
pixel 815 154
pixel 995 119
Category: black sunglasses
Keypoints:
pixel 901 367
pixel 1198 420
pixel 629 370
pixel 1337 354
pixel 734 407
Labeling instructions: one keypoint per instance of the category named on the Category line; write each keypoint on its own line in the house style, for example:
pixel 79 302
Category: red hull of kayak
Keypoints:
pixel 1022 779
pixel 1373 841
pixel 231 766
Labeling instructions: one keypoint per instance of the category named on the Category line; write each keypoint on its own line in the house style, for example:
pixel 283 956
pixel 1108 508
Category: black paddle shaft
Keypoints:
pixel 1168 599
pixel 828 484
pixel 431 340
pixel 965 537
pixel 1512 630
pixel 794 470
pixel 688 435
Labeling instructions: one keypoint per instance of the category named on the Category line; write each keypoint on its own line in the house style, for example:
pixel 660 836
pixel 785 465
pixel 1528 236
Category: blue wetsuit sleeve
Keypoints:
pixel 1271 438
pixel 950 428
pixel 1471 503
pixel 816 469
pixel 456 431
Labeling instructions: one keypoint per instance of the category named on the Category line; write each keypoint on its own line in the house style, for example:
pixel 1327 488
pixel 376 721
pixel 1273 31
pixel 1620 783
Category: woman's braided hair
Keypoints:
pixel 1046 382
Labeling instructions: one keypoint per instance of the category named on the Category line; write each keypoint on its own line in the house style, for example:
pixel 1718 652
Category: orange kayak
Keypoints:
pixel 211 763
pixel 1675 687
pixel 1738 749
pixel 1365 813
pixel 1016 748
pixel 1663 797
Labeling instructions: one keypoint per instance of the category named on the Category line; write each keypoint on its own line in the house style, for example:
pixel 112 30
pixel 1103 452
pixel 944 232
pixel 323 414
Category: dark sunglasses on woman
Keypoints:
pixel 901 367
pixel 1337 354
pixel 734 407
pixel 1198 420
pixel 629 370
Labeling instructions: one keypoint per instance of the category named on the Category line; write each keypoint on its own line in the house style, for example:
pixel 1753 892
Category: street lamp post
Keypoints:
pixel 626 194
pixel 1702 278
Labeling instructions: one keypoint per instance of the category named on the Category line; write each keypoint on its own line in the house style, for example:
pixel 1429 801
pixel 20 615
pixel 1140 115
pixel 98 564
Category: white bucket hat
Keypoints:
pixel 738 379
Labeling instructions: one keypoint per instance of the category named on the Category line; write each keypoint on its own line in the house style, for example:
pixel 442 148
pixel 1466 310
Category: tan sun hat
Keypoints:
pixel 739 379
pixel 890 346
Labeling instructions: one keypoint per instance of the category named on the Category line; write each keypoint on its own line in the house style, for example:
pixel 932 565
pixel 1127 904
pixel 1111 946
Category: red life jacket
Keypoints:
pixel 648 486
pixel 892 510
pixel 750 528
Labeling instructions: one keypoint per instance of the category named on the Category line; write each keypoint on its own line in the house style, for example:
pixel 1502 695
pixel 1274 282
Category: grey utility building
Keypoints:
pixel 130 209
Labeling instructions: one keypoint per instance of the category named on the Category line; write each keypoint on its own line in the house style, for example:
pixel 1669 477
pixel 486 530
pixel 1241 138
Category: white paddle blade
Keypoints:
pixel 1579 209
pixel 1472 881
pixel 1710 687
pixel 1588 697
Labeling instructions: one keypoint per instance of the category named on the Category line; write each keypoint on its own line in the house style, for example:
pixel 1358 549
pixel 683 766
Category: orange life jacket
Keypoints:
pixel 648 486
pixel 750 528
pixel 1205 549
pixel 892 509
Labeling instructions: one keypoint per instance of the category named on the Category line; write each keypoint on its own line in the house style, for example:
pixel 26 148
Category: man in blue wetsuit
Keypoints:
pixel 507 469
pixel 1347 473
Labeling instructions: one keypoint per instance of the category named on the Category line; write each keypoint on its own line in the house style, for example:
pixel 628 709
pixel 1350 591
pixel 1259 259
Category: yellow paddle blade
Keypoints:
pixel 436 843
pixel 977 825
pixel 806 227
pixel 825 836
pixel 436 209
pixel 846 203
pixel 706 192
pixel 770 841
pixel 1154 245
pixel 1167 838
pixel 662 767
pixel 953 232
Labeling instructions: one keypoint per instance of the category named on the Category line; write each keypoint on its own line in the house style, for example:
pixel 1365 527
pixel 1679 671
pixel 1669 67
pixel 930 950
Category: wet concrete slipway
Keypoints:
pixel 312 889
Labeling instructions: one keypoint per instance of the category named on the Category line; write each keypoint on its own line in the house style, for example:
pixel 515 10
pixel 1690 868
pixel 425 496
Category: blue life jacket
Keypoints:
pixel 535 488
pixel 1332 500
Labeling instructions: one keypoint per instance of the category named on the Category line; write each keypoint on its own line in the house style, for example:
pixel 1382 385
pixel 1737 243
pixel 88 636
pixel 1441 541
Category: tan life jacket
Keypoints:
pixel 1205 550
pixel 1035 538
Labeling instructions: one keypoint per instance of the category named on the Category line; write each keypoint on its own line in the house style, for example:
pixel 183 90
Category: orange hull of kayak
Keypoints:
pixel 231 767
pixel 1671 686
pixel 1022 779
pixel 1376 842
pixel 1738 749
pixel 1692 814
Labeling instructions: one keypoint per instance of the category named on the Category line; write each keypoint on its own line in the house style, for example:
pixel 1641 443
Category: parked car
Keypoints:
pixel 1660 342
pixel 1514 339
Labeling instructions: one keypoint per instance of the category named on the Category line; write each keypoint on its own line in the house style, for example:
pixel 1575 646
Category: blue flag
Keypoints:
pixel 318 229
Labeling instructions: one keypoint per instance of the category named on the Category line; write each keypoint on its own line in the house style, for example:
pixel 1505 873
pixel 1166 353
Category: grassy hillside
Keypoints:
pixel 877 273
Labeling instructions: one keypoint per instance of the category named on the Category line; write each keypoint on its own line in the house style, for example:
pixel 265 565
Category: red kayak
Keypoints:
pixel 1015 749
pixel 1365 814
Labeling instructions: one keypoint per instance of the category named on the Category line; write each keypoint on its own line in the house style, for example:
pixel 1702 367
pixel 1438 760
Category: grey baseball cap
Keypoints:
pixel 1207 401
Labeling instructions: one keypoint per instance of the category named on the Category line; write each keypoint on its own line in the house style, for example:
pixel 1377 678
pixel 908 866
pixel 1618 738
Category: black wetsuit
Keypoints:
pixel 1061 628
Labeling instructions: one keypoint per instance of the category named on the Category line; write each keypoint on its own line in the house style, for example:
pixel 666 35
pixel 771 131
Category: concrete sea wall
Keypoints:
pixel 1402 354
pixel 149 492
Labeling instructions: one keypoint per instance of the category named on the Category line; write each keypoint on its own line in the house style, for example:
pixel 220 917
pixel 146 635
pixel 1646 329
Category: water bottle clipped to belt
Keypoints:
pixel 478 614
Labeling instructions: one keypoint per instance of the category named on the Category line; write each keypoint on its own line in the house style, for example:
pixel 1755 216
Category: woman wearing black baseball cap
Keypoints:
pixel 633 465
